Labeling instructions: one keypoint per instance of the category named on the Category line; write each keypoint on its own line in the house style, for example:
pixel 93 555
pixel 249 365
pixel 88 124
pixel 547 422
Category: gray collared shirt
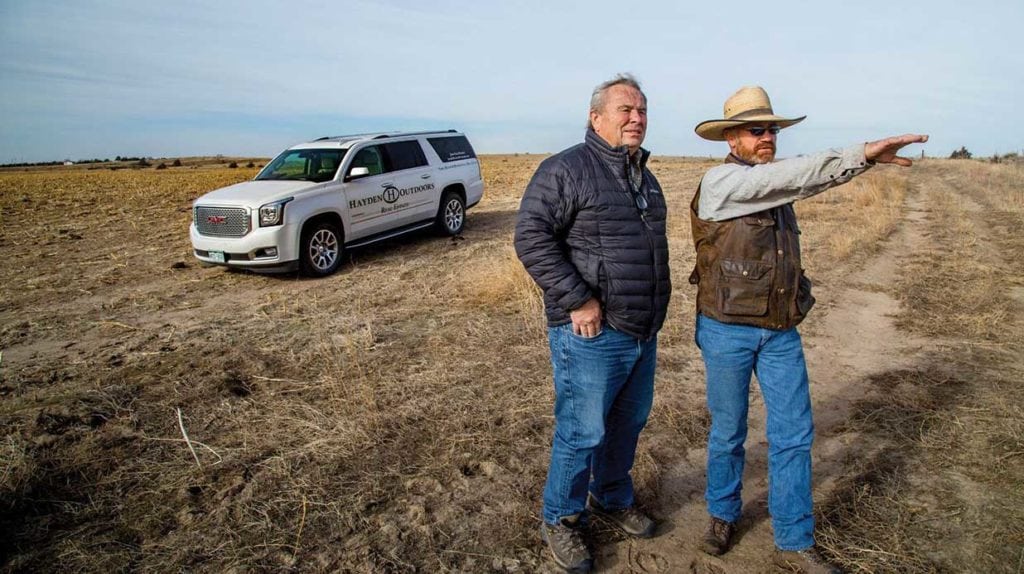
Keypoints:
pixel 733 190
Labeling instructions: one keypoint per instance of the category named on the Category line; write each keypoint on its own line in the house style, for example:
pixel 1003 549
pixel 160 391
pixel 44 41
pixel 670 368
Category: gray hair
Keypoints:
pixel 597 98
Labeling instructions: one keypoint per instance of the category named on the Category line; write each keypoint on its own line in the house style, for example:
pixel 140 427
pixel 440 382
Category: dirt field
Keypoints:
pixel 397 416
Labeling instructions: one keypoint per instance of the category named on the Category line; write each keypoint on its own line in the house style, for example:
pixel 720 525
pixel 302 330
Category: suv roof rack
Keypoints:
pixel 403 134
pixel 379 135
pixel 351 136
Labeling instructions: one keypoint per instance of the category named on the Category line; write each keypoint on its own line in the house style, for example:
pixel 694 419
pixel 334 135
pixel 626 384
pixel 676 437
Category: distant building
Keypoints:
pixel 68 162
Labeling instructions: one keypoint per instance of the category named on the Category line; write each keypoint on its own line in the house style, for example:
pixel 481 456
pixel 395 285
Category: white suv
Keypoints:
pixel 315 199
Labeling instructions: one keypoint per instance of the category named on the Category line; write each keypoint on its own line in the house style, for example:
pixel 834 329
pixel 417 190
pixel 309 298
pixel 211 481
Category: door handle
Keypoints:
pixel 387 184
pixel 425 176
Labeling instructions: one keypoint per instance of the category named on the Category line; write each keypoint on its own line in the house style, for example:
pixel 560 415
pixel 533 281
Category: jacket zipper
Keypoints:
pixel 654 266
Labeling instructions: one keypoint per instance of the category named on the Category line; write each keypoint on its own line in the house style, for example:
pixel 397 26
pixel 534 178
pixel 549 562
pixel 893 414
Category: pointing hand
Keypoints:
pixel 884 151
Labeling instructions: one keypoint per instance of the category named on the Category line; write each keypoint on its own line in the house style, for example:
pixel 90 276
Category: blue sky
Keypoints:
pixel 97 79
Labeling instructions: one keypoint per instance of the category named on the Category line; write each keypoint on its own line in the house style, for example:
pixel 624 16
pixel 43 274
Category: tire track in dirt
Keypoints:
pixel 852 338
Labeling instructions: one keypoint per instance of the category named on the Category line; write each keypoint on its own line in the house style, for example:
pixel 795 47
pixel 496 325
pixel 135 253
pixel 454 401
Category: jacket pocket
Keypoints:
pixel 744 287
pixel 594 276
pixel 804 299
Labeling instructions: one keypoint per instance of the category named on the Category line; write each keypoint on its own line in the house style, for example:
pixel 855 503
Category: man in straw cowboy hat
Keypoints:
pixel 751 295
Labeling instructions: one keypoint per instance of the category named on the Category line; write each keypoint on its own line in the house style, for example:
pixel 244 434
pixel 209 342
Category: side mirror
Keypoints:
pixel 358 172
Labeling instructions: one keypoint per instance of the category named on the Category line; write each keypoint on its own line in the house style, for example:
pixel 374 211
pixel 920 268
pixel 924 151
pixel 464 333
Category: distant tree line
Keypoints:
pixel 135 161
pixel 963 153
pixel 1012 156
pixel 43 163
pixel 138 160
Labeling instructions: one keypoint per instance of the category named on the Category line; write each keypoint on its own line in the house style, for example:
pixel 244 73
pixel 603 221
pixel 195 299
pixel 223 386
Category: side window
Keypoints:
pixel 405 155
pixel 370 158
pixel 452 148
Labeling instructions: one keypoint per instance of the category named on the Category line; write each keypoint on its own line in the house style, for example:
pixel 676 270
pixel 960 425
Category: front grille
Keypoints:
pixel 222 221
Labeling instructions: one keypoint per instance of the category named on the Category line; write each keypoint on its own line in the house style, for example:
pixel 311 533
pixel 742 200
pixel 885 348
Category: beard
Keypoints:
pixel 762 154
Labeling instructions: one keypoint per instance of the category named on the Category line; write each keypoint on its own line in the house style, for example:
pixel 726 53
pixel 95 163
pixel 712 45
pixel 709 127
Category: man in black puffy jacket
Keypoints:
pixel 591 233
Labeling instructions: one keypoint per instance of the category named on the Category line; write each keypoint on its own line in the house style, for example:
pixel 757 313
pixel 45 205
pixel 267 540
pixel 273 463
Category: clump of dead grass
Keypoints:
pixel 929 476
pixel 16 468
pixel 865 523
pixel 852 219
pixel 499 280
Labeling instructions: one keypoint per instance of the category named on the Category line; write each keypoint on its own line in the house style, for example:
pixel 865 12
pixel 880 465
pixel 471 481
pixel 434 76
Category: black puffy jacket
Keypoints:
pixel 580 234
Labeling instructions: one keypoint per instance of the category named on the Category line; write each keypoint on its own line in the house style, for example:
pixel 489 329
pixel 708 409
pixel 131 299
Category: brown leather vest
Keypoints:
pixel 748 268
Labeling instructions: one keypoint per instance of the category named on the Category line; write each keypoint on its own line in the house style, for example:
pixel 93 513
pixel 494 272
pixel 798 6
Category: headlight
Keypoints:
pixel 273 213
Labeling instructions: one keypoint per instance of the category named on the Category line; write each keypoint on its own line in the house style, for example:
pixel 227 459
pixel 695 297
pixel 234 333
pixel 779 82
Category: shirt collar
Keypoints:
pixel 733 158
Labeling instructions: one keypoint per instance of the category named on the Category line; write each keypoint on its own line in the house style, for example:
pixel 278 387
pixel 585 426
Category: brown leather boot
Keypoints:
pixel 630 520
pixel 808 561
pixel 566 544
pixel 717 537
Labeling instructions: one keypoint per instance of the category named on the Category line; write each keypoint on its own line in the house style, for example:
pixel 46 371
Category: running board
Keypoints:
pixel 389 235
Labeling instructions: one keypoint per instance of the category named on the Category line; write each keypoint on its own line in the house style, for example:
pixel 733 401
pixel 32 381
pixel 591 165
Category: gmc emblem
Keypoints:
pixel 216 219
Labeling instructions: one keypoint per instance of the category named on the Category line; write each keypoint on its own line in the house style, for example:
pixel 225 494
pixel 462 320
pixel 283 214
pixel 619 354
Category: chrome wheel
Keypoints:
pixel 454 215
pixel 323 250
pixel 320 249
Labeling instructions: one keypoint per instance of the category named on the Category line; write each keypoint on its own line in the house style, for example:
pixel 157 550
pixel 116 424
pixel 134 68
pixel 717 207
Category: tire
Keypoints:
pixel 320 249
pixel 451 215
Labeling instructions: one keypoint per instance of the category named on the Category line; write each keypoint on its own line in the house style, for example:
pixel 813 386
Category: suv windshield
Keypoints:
pixel 317 165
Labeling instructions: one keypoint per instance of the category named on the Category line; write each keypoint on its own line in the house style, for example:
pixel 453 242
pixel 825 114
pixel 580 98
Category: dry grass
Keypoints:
pixel 501 280
pixel 957 288
pixel 357 426
pixel 853 219
pixel 939 488
pixel 394 417
pixel 944 489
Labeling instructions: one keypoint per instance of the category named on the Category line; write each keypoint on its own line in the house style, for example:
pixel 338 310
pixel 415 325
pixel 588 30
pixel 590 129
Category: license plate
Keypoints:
pixel 217 256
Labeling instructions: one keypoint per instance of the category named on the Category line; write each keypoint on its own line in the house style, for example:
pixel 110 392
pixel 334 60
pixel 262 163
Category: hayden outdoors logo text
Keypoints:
pixel 390 194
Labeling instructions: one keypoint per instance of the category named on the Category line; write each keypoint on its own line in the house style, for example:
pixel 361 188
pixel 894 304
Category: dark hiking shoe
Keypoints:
pixel 629 520
pixel 566 545
pixel 717 537
pixel 808 561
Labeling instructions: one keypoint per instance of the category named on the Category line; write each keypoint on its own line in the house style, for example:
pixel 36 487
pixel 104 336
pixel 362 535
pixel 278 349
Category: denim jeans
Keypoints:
pixel 604 387
pixel 731 354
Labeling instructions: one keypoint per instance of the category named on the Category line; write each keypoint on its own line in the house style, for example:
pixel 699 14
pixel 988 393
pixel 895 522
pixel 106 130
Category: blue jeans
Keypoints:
pixel 731 354
pixel 604 387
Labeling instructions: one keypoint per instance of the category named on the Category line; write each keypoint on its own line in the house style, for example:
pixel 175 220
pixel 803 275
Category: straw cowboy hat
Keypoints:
pixel 747 105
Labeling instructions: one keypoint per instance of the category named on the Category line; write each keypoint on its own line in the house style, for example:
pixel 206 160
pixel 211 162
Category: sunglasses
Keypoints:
pixel 641 202
pixel 758 132
pixel 641 206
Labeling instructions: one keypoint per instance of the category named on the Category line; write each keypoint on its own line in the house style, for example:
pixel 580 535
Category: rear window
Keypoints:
pixel 452 148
